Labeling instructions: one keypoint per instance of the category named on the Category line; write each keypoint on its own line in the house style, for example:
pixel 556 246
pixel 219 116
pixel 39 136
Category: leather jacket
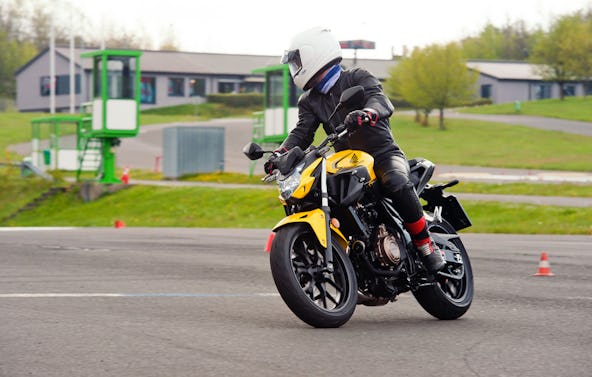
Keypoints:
pixel 315 108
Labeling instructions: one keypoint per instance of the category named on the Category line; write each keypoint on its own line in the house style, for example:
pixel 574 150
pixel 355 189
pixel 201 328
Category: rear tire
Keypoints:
pixel 317 298
pixel 448 298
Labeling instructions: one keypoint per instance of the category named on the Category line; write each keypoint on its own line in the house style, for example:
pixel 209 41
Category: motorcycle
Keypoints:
pixel 342 243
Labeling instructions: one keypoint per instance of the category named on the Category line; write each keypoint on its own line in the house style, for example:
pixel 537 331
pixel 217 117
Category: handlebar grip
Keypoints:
pixel 454 182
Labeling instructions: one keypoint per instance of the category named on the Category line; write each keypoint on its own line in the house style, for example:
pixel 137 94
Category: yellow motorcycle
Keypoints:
pixel 342 243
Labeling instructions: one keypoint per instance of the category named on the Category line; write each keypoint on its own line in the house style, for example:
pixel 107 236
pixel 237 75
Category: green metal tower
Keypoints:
pixel 115 105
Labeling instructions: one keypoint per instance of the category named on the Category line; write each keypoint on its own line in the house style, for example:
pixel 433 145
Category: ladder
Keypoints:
pixel 90 159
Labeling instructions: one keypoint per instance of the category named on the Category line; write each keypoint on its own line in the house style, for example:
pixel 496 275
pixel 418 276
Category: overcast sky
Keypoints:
pixel 266 26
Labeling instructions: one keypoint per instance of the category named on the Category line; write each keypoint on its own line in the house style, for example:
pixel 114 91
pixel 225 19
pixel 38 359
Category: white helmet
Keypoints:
pixel 311 52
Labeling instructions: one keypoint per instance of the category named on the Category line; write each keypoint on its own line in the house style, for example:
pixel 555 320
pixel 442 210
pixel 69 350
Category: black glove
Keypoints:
pixel 269 165
pixel 354 119
pixel 358 118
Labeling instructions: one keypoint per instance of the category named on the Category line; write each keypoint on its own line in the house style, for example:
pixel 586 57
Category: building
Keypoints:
pixel 174 78
pixel 168 77
pixel 509 81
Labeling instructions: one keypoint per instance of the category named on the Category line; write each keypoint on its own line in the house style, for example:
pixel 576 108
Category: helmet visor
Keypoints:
pixel 292 58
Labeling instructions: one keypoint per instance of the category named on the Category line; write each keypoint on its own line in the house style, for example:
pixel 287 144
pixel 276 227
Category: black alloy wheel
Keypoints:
pixel 317 297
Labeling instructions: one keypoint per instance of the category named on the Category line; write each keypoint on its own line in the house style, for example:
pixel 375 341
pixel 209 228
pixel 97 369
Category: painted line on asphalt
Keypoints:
pixel 579 298
pixel 126 295
pixel 28 228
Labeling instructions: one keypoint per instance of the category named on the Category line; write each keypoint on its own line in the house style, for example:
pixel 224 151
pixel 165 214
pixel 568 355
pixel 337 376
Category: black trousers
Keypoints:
pixel 393 172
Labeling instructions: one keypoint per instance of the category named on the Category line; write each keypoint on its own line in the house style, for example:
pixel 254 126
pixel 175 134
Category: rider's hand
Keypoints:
pixel 358 118
pixel 355 119
pixel 372 115
pixel 269 165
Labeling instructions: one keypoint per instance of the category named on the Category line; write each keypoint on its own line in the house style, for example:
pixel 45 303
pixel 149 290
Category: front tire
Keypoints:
pixel 316 297
pixel 451 294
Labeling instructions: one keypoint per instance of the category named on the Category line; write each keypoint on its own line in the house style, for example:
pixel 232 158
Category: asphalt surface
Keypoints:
pixel 201 302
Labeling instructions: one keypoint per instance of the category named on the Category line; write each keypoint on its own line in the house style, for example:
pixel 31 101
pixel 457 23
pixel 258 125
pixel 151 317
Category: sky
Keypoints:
pixel 264 27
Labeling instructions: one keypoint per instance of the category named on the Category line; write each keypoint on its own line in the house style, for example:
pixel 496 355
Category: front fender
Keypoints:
pixel 316 220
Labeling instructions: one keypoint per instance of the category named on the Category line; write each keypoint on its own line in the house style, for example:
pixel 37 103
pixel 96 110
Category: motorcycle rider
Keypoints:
pixel 313 58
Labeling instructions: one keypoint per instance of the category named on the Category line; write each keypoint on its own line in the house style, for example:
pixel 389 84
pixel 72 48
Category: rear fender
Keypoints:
pixel 316 220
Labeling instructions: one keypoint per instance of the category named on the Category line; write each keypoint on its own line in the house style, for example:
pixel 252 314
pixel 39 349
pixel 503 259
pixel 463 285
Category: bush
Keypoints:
pixel 7 104
pixel 237 100
pixel 478 102
pixel 187 109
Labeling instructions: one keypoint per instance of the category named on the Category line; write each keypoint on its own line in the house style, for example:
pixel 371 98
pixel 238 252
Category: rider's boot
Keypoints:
pixel 431 255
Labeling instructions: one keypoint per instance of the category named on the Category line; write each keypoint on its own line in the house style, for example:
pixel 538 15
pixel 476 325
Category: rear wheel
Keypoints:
pixel 317 297
pixel 452 293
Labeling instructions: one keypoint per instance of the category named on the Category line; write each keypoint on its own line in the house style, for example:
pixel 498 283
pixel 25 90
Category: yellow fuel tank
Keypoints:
pixel 349 159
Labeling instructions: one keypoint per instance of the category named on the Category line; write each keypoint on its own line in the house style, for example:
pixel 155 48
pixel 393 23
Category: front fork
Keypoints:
pixel 327 211
pixel 320 222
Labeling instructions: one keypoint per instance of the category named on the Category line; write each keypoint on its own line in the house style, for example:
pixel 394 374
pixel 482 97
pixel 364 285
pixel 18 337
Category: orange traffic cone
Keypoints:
pixel 119 224
pixel 544 266
pixel 125 176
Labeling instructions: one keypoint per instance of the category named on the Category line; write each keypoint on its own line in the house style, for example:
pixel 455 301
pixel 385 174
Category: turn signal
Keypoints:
pixel 335 222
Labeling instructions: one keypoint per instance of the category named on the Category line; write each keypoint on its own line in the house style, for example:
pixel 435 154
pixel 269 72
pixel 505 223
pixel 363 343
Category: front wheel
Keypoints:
pixel 451 294
pixel 317 297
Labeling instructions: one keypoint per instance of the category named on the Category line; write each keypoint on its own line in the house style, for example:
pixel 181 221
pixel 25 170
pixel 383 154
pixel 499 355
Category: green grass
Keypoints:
pixel 147 206
pixel 17 192
pixel 477 143
pixel 538 189
pixel 204 111
pixel 516 218
pixel 572 108
pixel 464 142
pixel 160 207
pixel 15 127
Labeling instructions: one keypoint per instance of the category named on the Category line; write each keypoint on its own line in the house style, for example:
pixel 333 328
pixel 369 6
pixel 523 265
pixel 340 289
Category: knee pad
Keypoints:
pixel 393 182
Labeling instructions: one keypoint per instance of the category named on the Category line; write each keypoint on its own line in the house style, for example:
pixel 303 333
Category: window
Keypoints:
pixel 569 90
pixel 275 93
pixel 120 77
pixel 197 87
pixel 148 90
pixel 486 91
pixel 62 85
pixel 225 87
pixel 542 91
pixel 176 87
pixel 251 87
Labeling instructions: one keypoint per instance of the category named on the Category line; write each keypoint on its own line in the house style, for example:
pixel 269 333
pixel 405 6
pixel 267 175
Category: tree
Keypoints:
pixel 583 62
pixel 401 85
pixel 563 53
pixel 15 50
pixel 513 41
pixel 435 77
pixel 169 40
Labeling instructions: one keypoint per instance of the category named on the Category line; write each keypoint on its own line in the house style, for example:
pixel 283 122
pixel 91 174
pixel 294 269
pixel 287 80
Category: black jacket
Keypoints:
pixel 315 108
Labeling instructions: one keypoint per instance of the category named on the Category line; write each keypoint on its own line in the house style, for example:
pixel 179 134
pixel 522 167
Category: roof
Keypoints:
pixel 506 70
pixel 179 62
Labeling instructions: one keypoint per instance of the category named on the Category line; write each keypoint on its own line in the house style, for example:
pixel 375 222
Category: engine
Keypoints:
pixel 389 248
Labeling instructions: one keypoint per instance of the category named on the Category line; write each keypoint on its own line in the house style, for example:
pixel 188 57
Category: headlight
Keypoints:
pixel 289 184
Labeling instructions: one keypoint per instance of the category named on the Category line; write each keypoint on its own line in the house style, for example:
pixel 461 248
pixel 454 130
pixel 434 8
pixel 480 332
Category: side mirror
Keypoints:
pixel 352 98
pixel 253 151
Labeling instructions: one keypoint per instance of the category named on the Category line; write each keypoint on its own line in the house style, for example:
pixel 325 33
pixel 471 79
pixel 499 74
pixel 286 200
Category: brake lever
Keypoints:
pixel 270 177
